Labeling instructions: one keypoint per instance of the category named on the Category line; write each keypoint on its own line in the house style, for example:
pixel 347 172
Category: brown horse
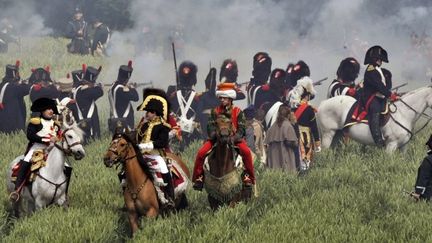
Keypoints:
pixel 140 194
pixel 223 181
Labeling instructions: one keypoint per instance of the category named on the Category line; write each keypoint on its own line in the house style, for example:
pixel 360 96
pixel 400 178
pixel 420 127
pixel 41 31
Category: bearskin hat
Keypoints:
pixel 40 75
pixel 12 73
pixel 348 69
pixel 124 73
pixel 155 100
pixel 300 70
pixel 187 74
pixel 277 79
pixel 43 104
pixel 288 81
pixel 374 53
pixel 228 71
pixel 261 67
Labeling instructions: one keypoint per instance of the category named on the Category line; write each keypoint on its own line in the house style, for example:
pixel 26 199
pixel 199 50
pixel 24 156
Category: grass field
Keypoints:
pixel 351 195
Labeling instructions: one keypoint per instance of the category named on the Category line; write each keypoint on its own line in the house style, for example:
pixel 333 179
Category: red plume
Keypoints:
pixel 67 75
pixel 47 68
pixel 84 68
pixel 32 70
pixel 17 63
pixel 130 63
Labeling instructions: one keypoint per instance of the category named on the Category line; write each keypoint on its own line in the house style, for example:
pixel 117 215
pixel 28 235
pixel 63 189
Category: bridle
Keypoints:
pixel 420 114
pixel 115 149
pixel 68 150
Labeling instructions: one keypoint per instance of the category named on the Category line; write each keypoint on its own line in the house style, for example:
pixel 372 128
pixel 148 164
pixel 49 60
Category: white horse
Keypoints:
pixel 397 132
pixel 49 186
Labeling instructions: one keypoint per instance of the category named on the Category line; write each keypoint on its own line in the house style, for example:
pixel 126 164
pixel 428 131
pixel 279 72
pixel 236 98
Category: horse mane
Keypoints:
pixel 79 132
pixel 409 93
pixel 145 167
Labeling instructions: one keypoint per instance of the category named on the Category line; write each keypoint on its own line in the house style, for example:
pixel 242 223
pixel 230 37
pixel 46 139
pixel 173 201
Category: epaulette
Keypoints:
pixel 265 87
pixel 35 120
pixel 370 68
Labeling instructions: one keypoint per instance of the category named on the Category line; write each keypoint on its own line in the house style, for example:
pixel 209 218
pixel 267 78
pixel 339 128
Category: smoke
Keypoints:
pixel 321 33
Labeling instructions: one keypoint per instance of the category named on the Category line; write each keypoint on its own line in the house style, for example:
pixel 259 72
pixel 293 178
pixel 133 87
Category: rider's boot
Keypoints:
pixel 199 183
pixel 374 125
pixel 21 180
pixel 169 190
pixel 68 174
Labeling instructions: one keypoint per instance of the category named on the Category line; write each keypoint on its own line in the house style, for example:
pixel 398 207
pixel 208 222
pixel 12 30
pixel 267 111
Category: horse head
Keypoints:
pixel 224 129
pixel 71 141
pixel 118 149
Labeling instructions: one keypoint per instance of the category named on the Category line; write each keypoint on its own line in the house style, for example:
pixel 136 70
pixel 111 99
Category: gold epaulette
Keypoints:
pixel 35 120
pixel 370 68
pixel 166 124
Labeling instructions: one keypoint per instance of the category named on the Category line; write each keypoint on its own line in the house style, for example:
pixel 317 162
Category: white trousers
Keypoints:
pixel 34 147
pixel 161 162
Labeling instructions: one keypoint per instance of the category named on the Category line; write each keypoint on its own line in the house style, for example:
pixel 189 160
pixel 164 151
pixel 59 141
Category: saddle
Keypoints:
pixel 237 158
pixel 358 113
pixel 38 161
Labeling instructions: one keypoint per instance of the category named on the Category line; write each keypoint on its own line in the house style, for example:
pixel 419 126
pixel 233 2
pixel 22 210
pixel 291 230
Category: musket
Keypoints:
pixel 398 87
pixel 175 64
pixel 135 84
pixel 319 82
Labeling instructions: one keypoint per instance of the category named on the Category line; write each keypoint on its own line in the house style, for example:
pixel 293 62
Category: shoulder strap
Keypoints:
pixel 254 94
pixel 2 92
pixel 112 99
pixel 184 105
pixel 74 93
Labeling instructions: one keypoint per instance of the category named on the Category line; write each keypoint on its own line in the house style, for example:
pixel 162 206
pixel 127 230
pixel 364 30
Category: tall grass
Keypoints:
pixel 353 194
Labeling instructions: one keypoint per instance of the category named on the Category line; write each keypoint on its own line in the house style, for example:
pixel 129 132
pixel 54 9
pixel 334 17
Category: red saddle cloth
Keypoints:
pixel 359 114
pixel 175 174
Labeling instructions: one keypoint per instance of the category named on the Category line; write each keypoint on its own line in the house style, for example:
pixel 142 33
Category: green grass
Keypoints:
pixel 354 195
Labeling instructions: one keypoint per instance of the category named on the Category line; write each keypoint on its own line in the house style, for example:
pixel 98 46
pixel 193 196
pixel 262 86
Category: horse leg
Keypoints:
pixel 391 147
pixel 39 203
pixel 132 213
pixel 327 138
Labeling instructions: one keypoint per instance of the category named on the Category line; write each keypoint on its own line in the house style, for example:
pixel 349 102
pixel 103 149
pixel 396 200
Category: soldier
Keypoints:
pixel 42 86
pixel 77 31
pixel 120 97
pixel 208 99
pixel 423 186
pixel 309 137
pixel 12 105
pixel 185 101
pixel 299 70
pixel 41 131
pixel 270 96
pixel 260 74
pixel 101 38
pixel 376 90
pixel 226 93
pixel 153 133
pixel 347 72
pixel 85 96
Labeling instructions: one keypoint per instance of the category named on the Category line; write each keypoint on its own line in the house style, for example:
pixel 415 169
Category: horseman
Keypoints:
pixel 153 133
pixel 270 96
pixel 423 186
pixel 12 105
pixel 41 132
pixel 347 73
pixel 226 93
pixel 260 74
pixel 185 100
pixel 85 96
pixel 120 97
pixel 376 90
pixel 77 30
pixel 299 99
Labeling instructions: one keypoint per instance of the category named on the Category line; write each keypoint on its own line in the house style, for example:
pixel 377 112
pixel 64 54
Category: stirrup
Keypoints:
pixel 14 196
